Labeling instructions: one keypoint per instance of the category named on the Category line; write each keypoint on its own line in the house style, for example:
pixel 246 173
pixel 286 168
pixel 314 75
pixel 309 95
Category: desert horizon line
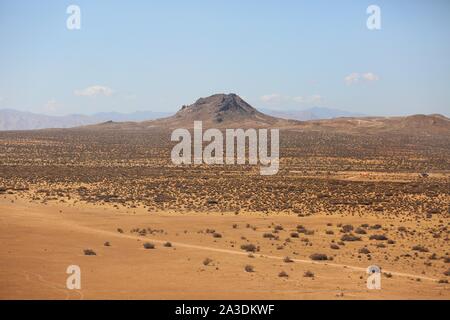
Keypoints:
pixel 264 110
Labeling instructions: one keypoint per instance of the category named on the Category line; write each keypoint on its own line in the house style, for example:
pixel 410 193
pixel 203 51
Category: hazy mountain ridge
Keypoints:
pixel 231 111
pixel 11 119
pixel 20 120
pixel 315 113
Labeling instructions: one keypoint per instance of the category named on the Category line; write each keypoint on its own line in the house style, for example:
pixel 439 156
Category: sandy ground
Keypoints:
pixel 39 241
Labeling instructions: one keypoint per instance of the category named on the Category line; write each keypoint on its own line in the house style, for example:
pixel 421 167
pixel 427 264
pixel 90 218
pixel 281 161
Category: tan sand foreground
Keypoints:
pixel 205 259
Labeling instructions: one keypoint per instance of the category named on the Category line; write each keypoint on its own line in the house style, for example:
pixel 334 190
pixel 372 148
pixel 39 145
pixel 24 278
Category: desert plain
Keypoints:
pixel 108 199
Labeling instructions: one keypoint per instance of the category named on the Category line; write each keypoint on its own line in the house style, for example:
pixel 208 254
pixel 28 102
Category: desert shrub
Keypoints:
pixel 376 227
pixel 167 244
pixel 249 268
pixel 288 260
pixel 443 281
pixel 379 237
pixel 119 230
pixel 391 241
pixel 217 235
pixel 235 226
pixel 318 256
pixel 420 248
pixel 278 228
pixel 107 244
pixel 294 235
pixel 350 237
pixel 364 251
pixel 347 228
pixel 89 252
pixel 360 231
pixel 433 256
pixel 207 261
pixel 283 274
pixel 268 235
pixel 402 229
pixel 381 245
pixel 329 232
pixel 308 274
pixel 334 246
pixel 149 245
pixel 447 273
pixel 248 247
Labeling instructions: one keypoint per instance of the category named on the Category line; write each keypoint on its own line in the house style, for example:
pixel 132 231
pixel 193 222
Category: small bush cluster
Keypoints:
pixel 318 257
pixel 89 252
pixel 350 237
pixel 149 245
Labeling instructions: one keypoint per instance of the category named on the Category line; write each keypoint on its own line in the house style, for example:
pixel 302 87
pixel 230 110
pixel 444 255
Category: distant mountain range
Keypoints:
pixel 231 111
pixel 315 113
pixel 19 120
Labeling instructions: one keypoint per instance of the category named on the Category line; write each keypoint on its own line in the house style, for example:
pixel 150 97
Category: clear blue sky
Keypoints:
pixel 158 55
